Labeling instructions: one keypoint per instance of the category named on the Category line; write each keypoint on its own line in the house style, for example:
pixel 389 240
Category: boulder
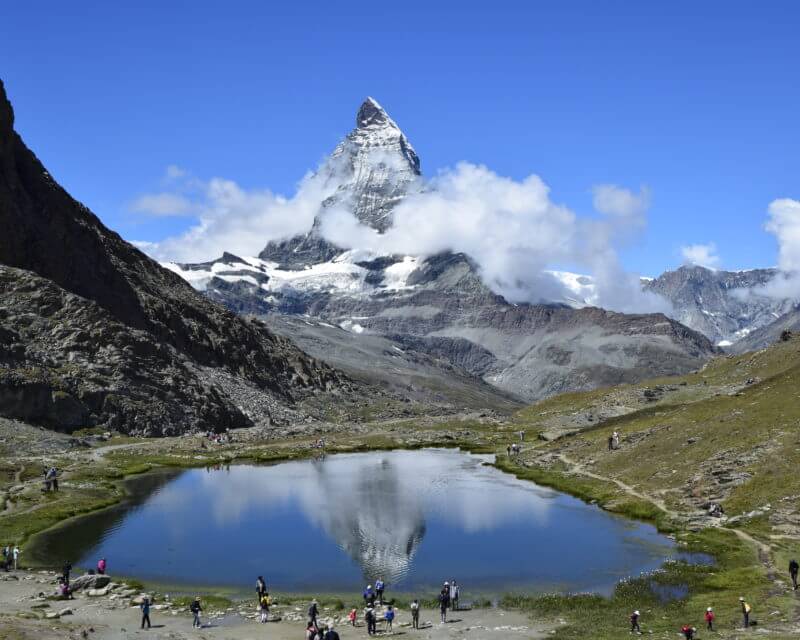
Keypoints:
pixel 97 593
pixel 89 582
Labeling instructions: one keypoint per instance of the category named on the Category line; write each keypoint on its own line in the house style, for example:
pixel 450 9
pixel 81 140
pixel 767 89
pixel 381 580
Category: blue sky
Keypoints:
pixel 696 100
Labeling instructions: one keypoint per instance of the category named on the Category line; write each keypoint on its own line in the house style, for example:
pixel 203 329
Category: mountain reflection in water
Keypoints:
pixel 412 517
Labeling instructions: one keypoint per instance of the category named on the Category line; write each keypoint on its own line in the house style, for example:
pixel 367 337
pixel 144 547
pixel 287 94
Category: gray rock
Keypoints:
pixel 89 582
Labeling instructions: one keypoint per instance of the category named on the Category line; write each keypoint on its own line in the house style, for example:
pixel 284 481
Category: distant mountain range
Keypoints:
pixel 437 305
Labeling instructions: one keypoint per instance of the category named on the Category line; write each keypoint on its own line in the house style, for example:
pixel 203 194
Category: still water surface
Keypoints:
pixel 415 518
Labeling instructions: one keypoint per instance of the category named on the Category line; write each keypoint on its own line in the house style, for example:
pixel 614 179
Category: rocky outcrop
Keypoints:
pixel 723 305
pixel 126 327
pixel 89 582
pixel 770 333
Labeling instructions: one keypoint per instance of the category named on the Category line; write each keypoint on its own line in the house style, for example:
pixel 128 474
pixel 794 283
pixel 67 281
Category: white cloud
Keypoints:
pixel 615 201
pixel 511 228
pixel 514 231
pixel 784 224
pixel 703 255
pixel 162 205
pixel 241 221
pixel 174 172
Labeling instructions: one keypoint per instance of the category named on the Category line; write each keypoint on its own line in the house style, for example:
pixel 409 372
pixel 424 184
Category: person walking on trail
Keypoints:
pixel 369 618
pixel 379 586
pixel 615 440
pixel 313 612
pixel 710 619
pixel 635 622
pixel 264 607
pixel 746 609
pixel 688 631
pixel 101 566
pixel 261 587
pixel 145 607
pixel 352 617
pixel 415 614
pixel 389 617
pixel 794 567
pixel 444 601
pixel 15 553
pixel 196 609
pixel 331 634
pixel 369 596
pixel 65 571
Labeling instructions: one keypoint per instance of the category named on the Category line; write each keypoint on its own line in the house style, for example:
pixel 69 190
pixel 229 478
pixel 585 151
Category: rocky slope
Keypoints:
pixel 711 301
pixel 94 332
pixel 770 333
pixel 439 305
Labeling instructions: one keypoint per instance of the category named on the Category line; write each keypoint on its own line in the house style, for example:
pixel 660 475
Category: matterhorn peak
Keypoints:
pixel 372 114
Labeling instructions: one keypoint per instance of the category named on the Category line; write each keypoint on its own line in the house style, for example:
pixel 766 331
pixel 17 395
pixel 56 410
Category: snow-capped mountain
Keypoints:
pixel 375 167
pixel 439 305
pixel 722 305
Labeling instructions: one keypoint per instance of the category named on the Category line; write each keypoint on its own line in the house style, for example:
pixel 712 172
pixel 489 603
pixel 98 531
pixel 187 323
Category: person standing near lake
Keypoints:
pixel 65 571
pixel 444 601
pixel 746 609
pixel 313 612
pixel 369 596
pixel 415 614
pixel 15 552
pixel 794 567
pixel 101 566
pixel 145 607
pixel 379 586
pixel 454 595
pixel 264 607
pixel 369 618
pixel 389 617
pixel 261 587
pixel 196 609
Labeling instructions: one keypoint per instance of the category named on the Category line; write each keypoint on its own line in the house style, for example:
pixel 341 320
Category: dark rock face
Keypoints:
pixel 708 300
pixel 768 334
pixel 146 330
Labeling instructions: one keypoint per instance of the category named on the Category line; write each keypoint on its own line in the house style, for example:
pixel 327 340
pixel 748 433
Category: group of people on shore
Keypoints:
pixel 688 631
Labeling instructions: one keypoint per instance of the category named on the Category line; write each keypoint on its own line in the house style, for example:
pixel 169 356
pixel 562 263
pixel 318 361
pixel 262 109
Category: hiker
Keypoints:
pixel 145 607
pixel 379 586
pixel 264 606
pixel 46 474
pixel 352 616
pixel 313 612
pixel 522 436
pixel 710 619
pixel 454 595
pixel 610 442
pixel 15 553
pixel 369 596
pixel 311 632
pixel 369 618
pixel 746 609
pixel 444 601
pixel 65 571
pixel 635 622
pixel 793 568
pixel 389 617
pixel 261 587
pixel 688 631
pixel 101 566
pixel 6 559
pixel 615 440
pixel 331 633
pixel 415 614
pixel 63 591
pixel 508 450
pixel 196 609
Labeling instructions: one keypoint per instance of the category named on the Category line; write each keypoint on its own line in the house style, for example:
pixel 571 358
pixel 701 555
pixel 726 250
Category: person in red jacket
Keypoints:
pixel 101 566
pixel 710 618
pixel 688 631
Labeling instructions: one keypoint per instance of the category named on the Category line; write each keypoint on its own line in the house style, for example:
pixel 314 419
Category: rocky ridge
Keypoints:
pixel 77 298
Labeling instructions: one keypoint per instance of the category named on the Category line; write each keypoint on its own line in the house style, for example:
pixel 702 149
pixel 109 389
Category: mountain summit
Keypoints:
pixel 374 168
